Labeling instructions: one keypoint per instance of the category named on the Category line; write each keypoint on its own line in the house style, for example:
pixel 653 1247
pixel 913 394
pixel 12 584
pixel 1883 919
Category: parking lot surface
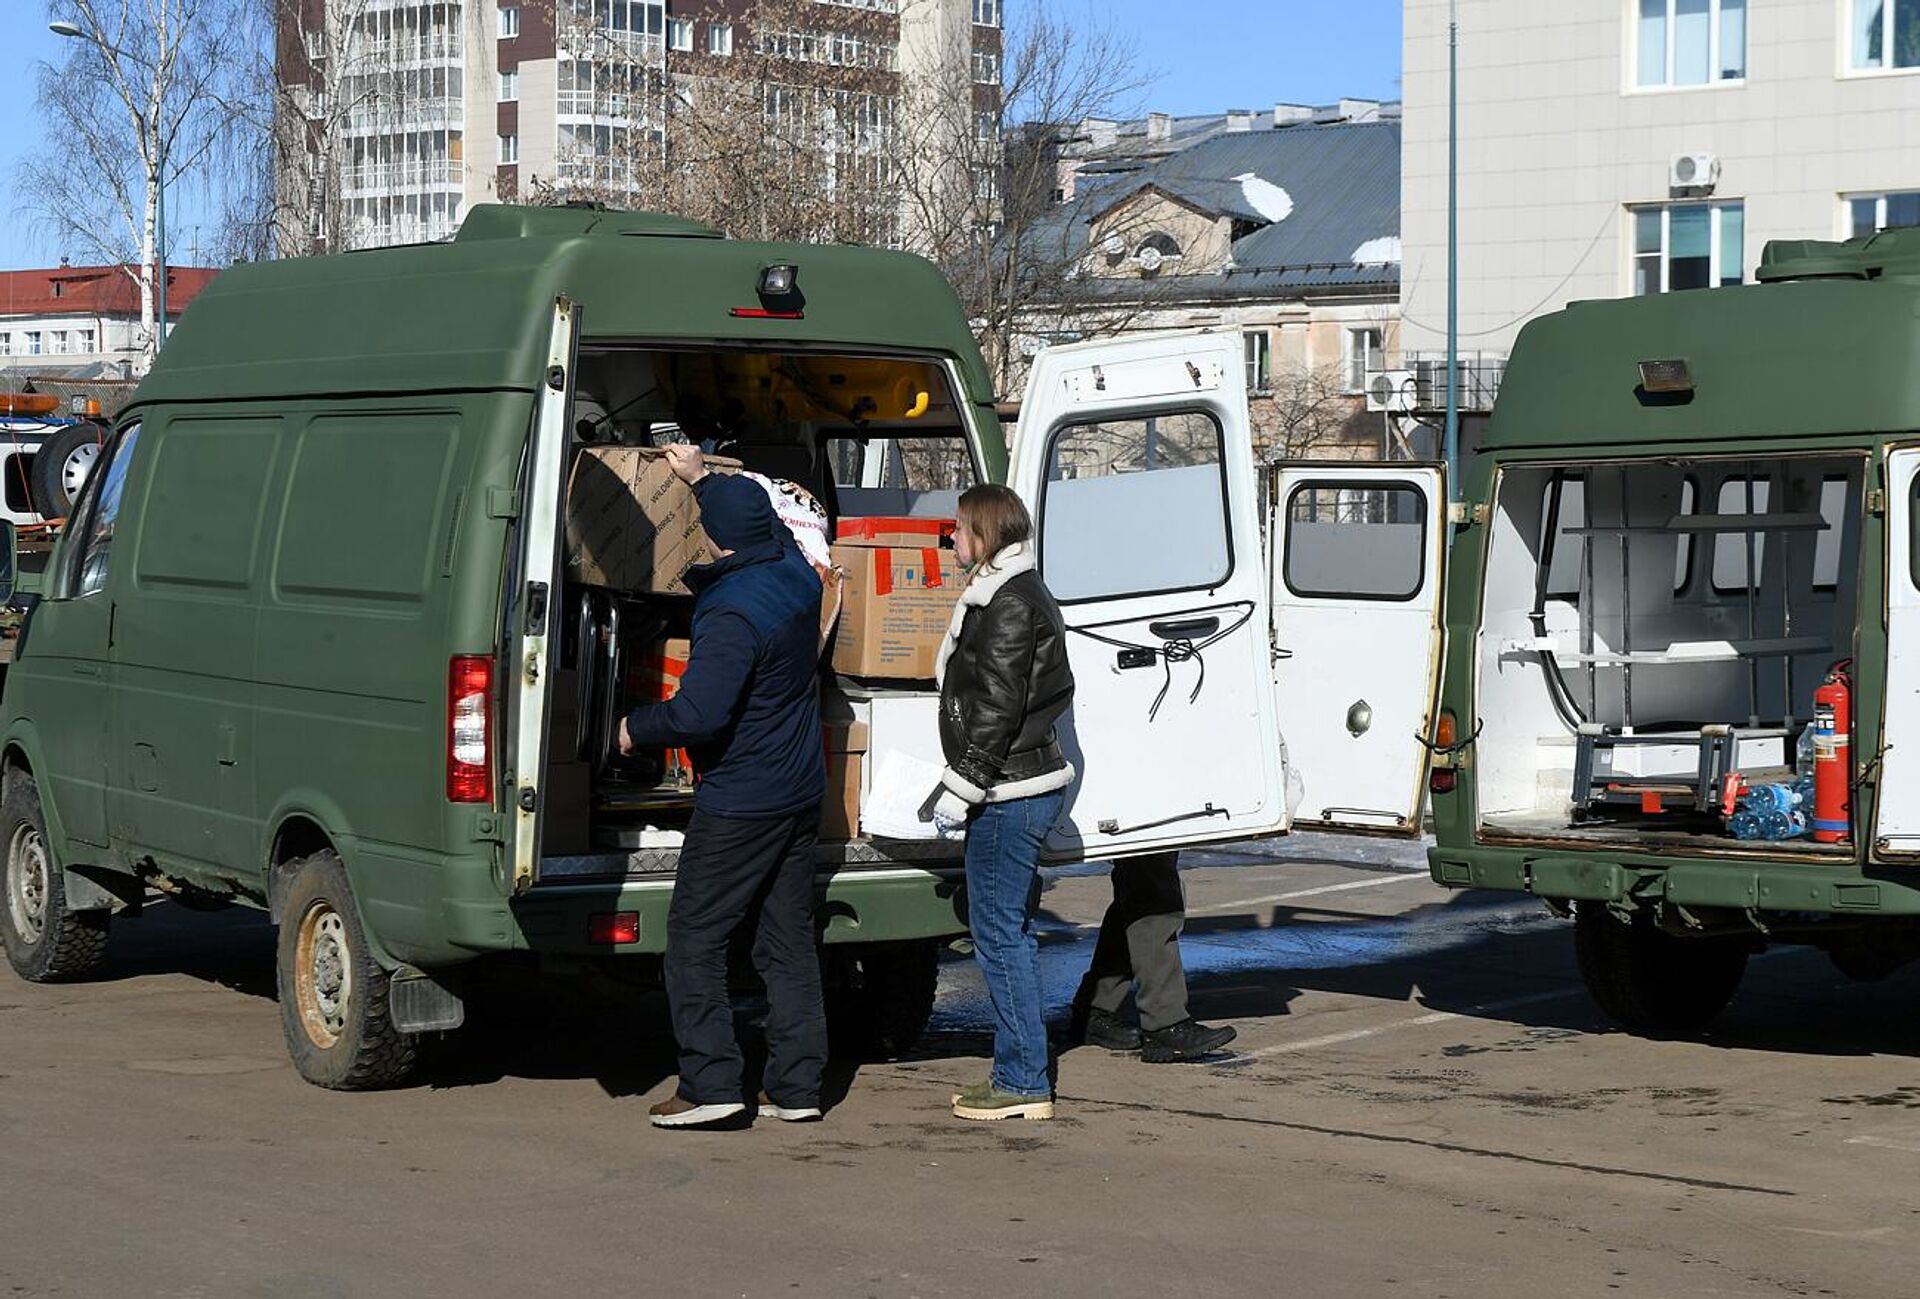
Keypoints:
pixel 1421 1102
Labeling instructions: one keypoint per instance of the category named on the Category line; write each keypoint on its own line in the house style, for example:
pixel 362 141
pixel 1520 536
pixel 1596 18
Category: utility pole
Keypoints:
pixel 1453 250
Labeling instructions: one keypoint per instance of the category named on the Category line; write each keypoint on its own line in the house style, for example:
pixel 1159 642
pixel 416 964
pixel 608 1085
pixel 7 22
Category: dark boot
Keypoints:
pixel 1187 1040
pixel 1106 1030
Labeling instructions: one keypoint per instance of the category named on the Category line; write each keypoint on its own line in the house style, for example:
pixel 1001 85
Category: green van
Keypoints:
pixel 312 642
pixel 1682 692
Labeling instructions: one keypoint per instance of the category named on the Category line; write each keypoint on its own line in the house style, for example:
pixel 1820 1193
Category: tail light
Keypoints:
pixel 1442 779
pixel 470 729
pixel 613 928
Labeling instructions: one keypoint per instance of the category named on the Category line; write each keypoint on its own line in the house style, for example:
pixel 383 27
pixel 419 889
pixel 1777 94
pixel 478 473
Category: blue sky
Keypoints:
pixel 1208 55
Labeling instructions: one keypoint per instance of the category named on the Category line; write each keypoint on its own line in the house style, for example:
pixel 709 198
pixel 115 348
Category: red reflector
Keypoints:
pixel 470 728
pixel 1442 780
pixel 761 313
pixel 612 928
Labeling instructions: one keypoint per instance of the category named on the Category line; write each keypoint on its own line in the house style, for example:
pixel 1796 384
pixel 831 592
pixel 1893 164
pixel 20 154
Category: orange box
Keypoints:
pixel 654 676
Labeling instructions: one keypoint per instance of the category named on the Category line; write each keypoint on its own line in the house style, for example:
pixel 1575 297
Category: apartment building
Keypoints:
pixel 414 111
pixel 1616 147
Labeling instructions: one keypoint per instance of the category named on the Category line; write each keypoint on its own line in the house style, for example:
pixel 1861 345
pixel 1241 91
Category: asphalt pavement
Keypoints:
pixel 1422 1102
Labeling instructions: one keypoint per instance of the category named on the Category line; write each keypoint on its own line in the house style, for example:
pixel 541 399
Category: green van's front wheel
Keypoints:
pixel 333 994
pixel 46 941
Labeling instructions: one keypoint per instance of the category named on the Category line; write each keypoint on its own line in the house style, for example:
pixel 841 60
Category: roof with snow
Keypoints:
pixel 1315 205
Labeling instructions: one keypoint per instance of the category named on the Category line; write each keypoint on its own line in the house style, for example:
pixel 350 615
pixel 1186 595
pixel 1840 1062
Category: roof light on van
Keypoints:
pixel 777 281
pixel 1666 376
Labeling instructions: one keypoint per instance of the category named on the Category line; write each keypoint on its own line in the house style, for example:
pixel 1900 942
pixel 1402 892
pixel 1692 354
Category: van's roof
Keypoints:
pixel 476 313
pixel 1827 343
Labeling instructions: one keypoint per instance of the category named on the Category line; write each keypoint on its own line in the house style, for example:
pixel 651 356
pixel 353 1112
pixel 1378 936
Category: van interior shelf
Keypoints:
pixel 1715 651
pixel 1711 523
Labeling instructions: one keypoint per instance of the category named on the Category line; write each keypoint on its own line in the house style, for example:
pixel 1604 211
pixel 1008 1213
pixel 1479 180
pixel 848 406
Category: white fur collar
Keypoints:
pixel 985 583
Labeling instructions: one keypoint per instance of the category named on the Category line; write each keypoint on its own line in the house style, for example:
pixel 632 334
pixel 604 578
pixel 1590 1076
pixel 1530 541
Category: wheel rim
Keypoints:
pixel 323 974
pixel 73 470
pixel 29 881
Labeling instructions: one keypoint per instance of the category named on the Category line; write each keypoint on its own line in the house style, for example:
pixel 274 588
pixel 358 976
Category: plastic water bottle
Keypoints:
pixel 1803 755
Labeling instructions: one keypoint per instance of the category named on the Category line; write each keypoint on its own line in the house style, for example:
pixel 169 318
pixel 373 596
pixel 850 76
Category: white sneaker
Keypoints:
pixel 788 1113
pixel 678 1112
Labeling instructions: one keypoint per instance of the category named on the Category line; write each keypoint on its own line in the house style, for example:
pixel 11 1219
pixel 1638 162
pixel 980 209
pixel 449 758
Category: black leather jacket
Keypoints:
pixel 1007 681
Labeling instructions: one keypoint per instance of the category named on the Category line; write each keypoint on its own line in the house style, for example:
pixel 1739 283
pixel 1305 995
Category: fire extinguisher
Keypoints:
pixel 1833 757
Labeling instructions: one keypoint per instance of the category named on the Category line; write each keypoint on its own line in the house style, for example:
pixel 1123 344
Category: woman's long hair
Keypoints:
pixel 996 516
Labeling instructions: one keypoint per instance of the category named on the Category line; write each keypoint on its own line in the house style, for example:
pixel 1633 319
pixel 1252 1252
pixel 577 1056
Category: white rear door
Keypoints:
pixel 1358 554
pixel 1136 459
pixel 1896 831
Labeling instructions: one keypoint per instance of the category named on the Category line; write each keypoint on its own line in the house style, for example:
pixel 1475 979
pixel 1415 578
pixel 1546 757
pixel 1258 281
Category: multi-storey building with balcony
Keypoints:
pixel 411 111
pixel 1616 147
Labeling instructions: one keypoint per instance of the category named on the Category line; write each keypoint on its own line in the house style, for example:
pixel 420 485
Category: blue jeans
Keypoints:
pixel 1003 892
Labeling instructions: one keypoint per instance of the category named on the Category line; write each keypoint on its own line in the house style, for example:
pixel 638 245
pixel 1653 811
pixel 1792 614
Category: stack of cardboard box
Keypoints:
pixel 631 523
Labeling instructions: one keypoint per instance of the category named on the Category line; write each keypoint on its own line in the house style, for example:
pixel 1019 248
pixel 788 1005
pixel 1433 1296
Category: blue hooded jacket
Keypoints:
pixel 748 708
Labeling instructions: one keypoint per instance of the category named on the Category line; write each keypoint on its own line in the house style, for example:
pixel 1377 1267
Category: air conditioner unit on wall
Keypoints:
pixel 1693 171
pixel 1391 391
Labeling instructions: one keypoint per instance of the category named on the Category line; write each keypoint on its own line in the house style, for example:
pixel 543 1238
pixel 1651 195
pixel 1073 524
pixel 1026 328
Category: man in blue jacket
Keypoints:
pixel 748 710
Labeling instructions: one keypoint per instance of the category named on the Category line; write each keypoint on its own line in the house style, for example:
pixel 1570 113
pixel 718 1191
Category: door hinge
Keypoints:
pixel 1877 501
pixel 503 503
pixel 1462 513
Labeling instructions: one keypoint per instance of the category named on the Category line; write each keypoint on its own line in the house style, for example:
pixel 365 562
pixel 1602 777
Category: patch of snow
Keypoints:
pixel 1265 197
pixel 1383 251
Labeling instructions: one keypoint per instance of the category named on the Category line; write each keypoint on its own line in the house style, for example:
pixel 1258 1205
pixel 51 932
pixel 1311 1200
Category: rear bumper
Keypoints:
pixel 1761 886
pixel 855 906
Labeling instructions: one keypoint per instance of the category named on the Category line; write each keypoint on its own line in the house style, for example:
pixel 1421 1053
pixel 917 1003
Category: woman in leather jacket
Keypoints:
pixel 1004 682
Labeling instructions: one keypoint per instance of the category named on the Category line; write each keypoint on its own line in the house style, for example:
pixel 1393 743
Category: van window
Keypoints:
pixel 205 489
pixel 920 477
pixel 96 552
pixel 1117 490
pixel 1356 541
pixel 1563 579
pixel 1730 548
pixel 391 468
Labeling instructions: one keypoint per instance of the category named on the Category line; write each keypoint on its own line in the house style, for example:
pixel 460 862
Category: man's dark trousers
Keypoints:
pixel 1138 950
pixel 735 870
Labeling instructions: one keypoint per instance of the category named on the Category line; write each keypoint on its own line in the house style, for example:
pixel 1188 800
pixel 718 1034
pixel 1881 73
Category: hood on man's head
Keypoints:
pixel 736 513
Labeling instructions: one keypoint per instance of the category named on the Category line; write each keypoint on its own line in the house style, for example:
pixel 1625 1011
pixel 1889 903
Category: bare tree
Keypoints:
pixel 982 180
pixel 1310 414
pixel 791 138
pixel 142 99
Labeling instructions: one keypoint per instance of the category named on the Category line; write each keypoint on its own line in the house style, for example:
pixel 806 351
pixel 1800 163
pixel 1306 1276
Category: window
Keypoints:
pixel 986 67
pixel 1165 467
pixel 1886 35
pixel 201 513
pixel 1691 42
pixel 1867 213
pixel 33 342
pixel 1688 246
pixel 1364 348
pixel 720 38
pixel 102 511
pixel 922 464
pixel 680 34
pixel 509 86
pixel 86 343
pixel 509 150
pixel 58 343
pixel 1259 349
pixel 986 13
pixel 509 24
pixel 1570 545
pixel 1356 541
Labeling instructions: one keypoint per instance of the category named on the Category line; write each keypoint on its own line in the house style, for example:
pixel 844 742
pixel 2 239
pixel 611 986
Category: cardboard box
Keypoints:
pixel 888 530
pixel 631 524
pixel 846 761
pixel 894 608
pixel 566 811
pixel 653 676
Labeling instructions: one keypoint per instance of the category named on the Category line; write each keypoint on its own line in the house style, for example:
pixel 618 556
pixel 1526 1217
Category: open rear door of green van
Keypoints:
pixel 525 690
pixel 1136 458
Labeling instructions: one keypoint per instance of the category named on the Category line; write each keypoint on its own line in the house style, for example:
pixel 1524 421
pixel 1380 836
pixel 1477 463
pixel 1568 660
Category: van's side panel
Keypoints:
pixel 357 626
pixel 181 770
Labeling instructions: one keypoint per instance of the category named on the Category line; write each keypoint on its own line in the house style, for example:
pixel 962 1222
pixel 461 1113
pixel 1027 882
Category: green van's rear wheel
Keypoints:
pixel 46 942
pixel 880 996
pixel 333 994
pixel 1651 981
